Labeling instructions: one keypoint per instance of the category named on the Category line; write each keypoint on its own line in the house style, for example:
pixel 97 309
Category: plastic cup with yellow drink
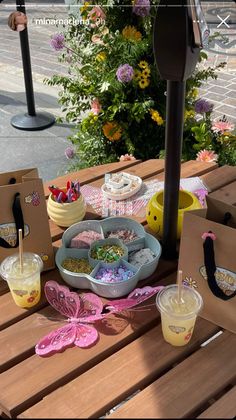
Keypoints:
pixel 23 278
pixel 178 316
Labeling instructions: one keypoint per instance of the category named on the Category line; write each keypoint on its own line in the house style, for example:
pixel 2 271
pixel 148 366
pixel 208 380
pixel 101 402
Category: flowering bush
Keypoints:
pixel 211 141
pixel 115 97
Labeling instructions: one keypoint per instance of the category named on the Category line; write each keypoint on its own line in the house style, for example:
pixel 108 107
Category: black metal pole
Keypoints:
pixel 25 53
pixel 31 120
pixel 173 147
pixel 177 40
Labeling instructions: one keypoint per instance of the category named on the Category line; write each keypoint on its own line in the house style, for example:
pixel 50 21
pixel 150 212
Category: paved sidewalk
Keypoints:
pixel 222 92
pixel 45 149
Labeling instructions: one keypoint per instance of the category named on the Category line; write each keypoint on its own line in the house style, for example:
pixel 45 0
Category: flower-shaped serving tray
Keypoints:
pixel 88 281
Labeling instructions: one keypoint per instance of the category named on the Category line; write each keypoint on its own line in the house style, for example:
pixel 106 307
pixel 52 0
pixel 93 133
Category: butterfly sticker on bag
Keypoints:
pixel 81 312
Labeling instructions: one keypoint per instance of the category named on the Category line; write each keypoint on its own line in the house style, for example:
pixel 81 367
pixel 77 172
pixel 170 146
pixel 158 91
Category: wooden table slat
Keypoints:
pixel 106 385
pixel 227 193
pixel 36 329
pixel 192 168
pixel 219 177
pixel 224 408
pixel 152 169
pixel 10 313
pixel 26 332
pixel 144 169
pixel 55 371
pixel 209 174
pixel 131 348
pixel 185 388
pixel 188 169
pixel 3 287
pixel 89 174
pixel 147 168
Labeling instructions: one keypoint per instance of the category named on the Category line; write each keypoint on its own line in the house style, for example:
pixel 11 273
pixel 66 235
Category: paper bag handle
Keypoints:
pixel 19 221
pixel 209 261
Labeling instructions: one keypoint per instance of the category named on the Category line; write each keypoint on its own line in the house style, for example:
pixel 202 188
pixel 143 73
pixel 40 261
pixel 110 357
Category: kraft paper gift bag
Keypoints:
pixel 208 260
pixel 23 206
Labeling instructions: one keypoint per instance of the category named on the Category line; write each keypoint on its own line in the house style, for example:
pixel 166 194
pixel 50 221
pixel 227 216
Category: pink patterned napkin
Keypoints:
pixel 137 203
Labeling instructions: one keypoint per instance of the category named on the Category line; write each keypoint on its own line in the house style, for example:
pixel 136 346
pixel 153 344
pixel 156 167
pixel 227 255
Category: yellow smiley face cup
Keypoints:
pixel 154 210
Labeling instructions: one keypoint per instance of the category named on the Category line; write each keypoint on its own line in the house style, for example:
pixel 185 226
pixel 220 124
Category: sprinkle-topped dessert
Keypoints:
pixel 84 239
pixel 112 275
pixel 123 234
pixel 143 256
pixel 107 253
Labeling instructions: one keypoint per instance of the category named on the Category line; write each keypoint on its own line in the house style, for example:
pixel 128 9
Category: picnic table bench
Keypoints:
pixel 131 372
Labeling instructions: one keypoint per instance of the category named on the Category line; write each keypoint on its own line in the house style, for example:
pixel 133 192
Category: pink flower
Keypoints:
pixel 97 16
pixel 222 125
pixel 126 157
pixel 207 156
pixel 96 39
pixel 96 106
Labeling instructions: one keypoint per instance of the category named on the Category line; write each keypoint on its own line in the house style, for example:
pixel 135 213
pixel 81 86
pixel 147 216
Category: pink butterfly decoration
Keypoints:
pixel 82 311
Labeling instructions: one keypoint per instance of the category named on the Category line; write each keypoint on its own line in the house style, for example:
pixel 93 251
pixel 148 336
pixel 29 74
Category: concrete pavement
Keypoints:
pixel 23 149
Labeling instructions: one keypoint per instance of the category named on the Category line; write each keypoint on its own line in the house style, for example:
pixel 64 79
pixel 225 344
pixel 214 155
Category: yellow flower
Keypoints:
pixel 143 82
pixel 131 33
pixel 146 72
pixel 112 131
pixel 194 93
pixel 156 117
pixel 101 56
pixel 143 65
pixel 137 74
pixel 93 118
pixel 84 7
pixel 83 10
pixel 188 114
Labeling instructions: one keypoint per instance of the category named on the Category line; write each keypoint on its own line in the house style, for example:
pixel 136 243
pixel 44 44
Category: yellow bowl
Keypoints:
pixel 154 210
pixel 66 214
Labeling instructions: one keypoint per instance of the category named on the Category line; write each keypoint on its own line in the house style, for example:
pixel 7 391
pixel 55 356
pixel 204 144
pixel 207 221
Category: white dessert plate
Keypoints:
pixel 119 186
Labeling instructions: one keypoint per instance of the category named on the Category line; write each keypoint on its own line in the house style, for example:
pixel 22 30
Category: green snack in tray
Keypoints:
pixel 107 253
pixel 77 265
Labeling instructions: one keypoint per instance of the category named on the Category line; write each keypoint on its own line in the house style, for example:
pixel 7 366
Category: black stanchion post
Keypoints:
pixel 25 53
pixel 30 120
pixel 177 40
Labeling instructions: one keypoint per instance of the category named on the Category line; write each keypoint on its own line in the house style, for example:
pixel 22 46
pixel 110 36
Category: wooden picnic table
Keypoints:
pixel 132 369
